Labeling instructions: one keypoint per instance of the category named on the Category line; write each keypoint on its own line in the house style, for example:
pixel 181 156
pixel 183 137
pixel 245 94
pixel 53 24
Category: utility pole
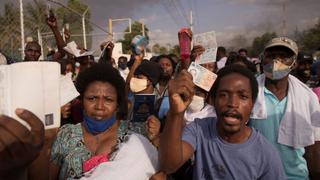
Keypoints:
pixel 22 29
pixel 143 34
pixel 191 21
pixel 191 27
pixel 40 42
pixel 84 28
pixel 143 31
pixel 110 30
pixel 284 23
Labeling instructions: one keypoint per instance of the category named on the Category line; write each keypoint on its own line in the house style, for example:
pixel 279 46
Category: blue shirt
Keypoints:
pixel 293 162
pixel 164 107
pixel 217 159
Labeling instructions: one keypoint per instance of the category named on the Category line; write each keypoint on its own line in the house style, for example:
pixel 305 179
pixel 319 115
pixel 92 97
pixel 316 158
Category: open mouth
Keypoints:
pixel 232 118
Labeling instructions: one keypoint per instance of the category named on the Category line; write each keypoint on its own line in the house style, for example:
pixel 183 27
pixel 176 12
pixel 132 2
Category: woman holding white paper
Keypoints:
pixel 100 137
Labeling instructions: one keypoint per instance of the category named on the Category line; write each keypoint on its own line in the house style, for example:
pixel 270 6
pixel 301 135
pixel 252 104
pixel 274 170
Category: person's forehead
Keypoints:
pixel 33 46
pixel 122 60
pixel 278 50
pixel 164 60
pixel 141 76
pixel 234 81
pixel 303 62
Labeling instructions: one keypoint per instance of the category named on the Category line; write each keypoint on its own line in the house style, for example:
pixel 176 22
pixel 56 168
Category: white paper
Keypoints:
pixel 209 42
pixel 72 48
pixel 33 86
pixel 202 77
pixel 67 89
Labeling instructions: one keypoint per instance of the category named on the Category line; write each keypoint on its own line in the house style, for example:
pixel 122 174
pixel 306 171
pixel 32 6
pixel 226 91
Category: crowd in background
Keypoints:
pixel 260 120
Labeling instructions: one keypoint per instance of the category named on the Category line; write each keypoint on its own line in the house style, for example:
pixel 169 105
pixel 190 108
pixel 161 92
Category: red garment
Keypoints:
pixel 94 162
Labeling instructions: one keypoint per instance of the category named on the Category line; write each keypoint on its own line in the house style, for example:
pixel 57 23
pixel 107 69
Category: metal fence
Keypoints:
pixel 23 21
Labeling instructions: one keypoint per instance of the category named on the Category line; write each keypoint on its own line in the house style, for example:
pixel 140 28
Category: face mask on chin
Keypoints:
pixel 306 73
pixel 277 70
pixel 122 66
pixel 138 85
pixel 196 104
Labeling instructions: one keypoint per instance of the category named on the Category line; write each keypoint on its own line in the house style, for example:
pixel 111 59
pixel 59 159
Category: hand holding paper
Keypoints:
pixel 201 76
pixel 72 48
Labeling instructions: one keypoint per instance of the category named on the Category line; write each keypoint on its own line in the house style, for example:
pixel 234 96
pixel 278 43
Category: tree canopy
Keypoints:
pixel 136 29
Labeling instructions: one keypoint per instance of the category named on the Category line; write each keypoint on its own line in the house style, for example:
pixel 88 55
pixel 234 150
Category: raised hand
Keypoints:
pixel 153 127
pixel 181 91
pixel 51 21
pixel 19 146
pixel 65 110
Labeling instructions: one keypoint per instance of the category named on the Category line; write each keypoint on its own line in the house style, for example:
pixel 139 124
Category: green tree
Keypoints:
pixel 175 50
pixel 10 31
pixel 309 40
pixel 156 48
pixel 136 29
pixel 75 21
pixel 260 42
pixel 35 20
pixel 35 17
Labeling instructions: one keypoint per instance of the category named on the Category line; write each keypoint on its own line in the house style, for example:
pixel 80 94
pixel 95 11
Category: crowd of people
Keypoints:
pixel 258 121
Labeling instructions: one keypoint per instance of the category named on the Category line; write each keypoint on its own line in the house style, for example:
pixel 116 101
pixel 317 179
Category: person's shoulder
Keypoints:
pixel 205 124
pixel 70 128
pixel 266 148
pixel 205 121
pixel 303 88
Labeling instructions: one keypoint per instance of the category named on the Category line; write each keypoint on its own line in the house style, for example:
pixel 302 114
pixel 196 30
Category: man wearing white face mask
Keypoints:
pixel 286 111
pixel 198 108
pixel 146 76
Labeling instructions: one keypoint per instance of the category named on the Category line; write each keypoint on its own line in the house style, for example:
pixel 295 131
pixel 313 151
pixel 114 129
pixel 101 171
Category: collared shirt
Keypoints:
pixel 293 162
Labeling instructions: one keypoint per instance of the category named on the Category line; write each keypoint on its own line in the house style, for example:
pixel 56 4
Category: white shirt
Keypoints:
pixel 124 73
pixel 207 111
pixel 222 62
pixel 127 163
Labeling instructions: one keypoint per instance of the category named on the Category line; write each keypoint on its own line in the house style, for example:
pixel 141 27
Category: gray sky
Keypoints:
pixel 228 18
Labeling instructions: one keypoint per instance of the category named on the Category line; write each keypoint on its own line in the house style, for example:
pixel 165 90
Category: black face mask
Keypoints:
pixel 122 66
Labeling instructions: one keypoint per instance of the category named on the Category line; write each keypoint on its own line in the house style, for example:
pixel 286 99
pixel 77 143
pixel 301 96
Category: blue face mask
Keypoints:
pixel 95 126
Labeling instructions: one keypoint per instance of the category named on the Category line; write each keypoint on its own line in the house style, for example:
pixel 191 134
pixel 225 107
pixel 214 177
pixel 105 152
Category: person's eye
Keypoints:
pixel 91 98
pixel 244 97
pixel 222 95
pixel 109 99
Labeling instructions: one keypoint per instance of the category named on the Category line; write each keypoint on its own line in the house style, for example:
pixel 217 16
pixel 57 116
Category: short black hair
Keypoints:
pixel 124 58
pixel 243 50
pixel 33 43
pixel 103 72
pixel 63 64
pixel 237 58
pixel 173 63
pixel 238 69
pixel 222 49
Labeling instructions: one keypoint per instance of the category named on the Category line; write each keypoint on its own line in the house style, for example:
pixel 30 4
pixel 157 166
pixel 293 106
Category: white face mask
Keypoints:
pixel 277 70
pixel 196 104
pixel 138 85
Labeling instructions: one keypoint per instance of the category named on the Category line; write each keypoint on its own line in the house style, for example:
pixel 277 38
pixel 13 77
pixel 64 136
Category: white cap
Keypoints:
pixel 285 42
